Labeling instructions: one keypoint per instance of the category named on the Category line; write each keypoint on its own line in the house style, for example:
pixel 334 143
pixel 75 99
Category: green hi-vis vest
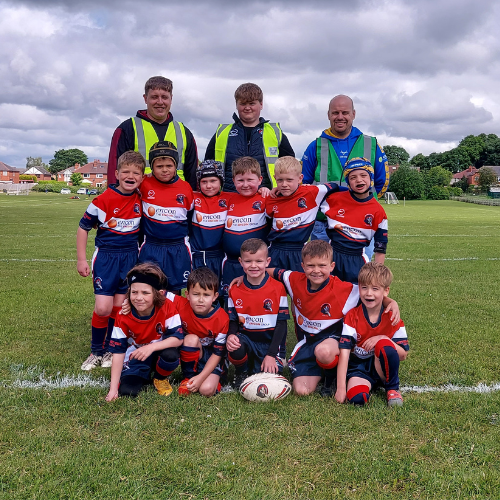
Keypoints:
pixel 271 140
pixel 145 137
pixel 329 167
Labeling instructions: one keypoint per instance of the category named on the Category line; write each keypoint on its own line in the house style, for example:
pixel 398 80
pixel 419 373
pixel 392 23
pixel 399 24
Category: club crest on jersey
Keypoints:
pixel 225 289
pixel 268 305
pixel 325 309
pixel 180 199
pixel 369 219
pixel 257 205
pixel 137 209
pixel 301 202
pixel 210 334
pixel 159 329
pixel 98 283
pixel 151 194
pixel 222 203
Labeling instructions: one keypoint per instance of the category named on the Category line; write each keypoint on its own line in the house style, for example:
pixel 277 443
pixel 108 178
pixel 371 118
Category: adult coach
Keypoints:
pixel 249 135
pixel 153 124
pixel 326 156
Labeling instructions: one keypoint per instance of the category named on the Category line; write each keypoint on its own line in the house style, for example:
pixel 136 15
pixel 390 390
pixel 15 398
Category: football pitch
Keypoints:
pixel 61 440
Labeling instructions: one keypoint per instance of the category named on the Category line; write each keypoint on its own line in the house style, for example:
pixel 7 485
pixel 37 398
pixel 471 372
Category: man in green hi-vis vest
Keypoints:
pixel 325 157
pixel 248 135
pixel 153 124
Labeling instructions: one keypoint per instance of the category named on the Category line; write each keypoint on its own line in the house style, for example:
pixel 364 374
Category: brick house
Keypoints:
pixel 471 173
pixel 94 174
pixel 65 175
pixel 495 169
pixel 41 173
pixel 8 173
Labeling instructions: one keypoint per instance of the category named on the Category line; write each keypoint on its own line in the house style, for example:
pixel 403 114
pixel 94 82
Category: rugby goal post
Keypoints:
pixel 390 198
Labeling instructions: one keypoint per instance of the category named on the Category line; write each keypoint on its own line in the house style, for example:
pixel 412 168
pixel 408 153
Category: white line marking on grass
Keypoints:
pixel 480 388
pixel 37 260
pixel 439 235
pixel 443 260
pixel 61 382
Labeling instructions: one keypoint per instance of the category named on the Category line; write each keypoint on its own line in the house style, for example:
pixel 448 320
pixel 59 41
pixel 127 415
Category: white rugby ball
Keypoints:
pixel 263 387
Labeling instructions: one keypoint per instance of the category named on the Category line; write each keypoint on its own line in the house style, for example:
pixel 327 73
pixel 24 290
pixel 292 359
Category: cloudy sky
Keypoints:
pixel 423 75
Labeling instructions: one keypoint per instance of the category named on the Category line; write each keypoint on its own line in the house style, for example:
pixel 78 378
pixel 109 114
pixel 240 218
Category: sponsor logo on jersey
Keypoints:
pixel 299 303
pixel 307 323
pixel 275 209
pixel 325 309
pixel 197 202
pixel 233 132
pixel 186 275
pixel 180 199
pixel 358 337
pixel 151 211
pixel 369 219
pixel 341 212
pixel 98 283
pixel 231 207
pixel 116 210
pixel 268 305
pixel 257 205
pixel 112 223
pixel 262 391
pixel 151 194
pixel 185 325
pixel 238 303
pixel 279 224
pixel 301 202
pixel 137 208
pixel 223 203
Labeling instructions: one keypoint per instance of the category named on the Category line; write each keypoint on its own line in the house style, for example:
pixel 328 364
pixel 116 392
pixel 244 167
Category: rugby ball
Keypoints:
pixel 263 387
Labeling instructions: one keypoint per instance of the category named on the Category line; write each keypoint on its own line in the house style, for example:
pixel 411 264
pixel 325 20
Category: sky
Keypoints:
pixel 422 75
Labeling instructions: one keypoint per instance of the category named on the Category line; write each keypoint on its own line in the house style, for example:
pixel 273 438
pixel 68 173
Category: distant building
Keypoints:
pixel 94 174
pixel 8 173
pixel 65 175
pixel 41 173
pixel 471 174
pixel 495 169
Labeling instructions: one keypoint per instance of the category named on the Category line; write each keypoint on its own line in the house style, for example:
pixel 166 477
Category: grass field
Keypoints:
pixel 60 440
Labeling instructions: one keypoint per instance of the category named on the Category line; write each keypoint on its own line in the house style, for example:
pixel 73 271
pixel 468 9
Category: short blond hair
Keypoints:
pixel 317 248
pixel 374 273
pixel 131 158
pixel 246 164
pixel 287 164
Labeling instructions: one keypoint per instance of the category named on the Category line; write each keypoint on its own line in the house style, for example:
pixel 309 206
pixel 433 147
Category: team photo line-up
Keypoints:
pixel 241 231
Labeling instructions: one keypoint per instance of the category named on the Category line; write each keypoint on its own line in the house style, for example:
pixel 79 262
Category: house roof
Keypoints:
pixel 37 170
pixel 4 167
pixel 465 173
pixel 96 167
pixel 495 168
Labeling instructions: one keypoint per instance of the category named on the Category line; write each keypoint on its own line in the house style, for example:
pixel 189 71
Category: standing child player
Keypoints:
pixel 320 302
pixel 246 216
pixel 354 218
pixel 209 217
pixel 293 212
pixel 205 326
pixel 147 339
pixel 258 313
pixel 166 200
pixel 371 347
pixel 117 214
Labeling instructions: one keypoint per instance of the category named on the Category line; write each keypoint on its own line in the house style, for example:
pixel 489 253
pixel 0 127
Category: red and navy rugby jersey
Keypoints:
pixel 293 216
pixel 210 329
pixel 258 308
pixel 246 218
pixel 352 223
pixel 357 329
pixel 165 207
pixel 117 217
pixel 318 313
pixel 208 221
pixel 131 330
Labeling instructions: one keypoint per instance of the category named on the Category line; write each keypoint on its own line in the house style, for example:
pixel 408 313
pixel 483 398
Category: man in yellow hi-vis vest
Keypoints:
pixel 249 135
pixel 153 124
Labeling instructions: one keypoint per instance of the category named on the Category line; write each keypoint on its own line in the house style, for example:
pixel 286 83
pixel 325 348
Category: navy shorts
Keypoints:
pixel 138 368
pixel 211 259
pixel 231 268
pixel 174 259
pixel 287 257
pixel 302 361
pixel 363 368
pixel 347 266
pixel 257 351
pixel 220 369
pixel 109 271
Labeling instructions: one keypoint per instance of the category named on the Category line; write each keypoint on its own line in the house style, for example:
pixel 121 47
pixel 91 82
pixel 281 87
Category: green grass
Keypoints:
pixel 69 443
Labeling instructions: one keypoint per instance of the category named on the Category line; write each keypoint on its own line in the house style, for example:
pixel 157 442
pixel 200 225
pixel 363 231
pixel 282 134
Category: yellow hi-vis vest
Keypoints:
pixel 271 140
pixel 145 137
